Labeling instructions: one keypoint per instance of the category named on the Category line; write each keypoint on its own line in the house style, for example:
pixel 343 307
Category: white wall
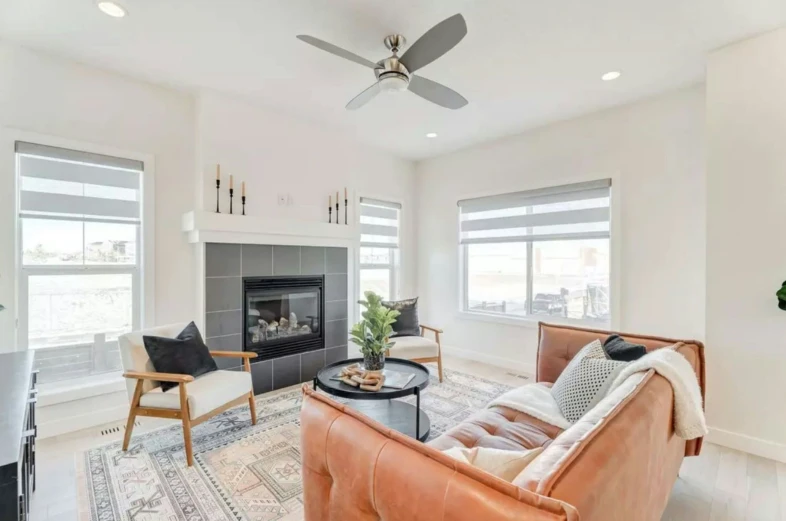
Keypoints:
pixel 277 154
pixel 746 243
pixel 652 150
pixel 59 98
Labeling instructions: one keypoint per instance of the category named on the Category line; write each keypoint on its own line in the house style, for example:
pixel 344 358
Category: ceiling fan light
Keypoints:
pixel 393 82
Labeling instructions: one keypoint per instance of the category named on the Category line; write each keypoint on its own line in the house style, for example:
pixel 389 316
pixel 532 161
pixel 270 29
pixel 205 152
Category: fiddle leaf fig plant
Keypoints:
pixel 372 333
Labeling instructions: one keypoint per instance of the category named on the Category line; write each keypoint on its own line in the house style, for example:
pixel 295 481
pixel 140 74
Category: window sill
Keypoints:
pixel 77 389
pixel 530 322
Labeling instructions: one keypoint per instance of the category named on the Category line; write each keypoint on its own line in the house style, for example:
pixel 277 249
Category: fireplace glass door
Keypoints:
pixel 275 315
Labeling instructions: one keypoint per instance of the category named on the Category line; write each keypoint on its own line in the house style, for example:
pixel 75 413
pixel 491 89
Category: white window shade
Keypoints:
pixel 576 211
pixel 77 185
pixel 379 223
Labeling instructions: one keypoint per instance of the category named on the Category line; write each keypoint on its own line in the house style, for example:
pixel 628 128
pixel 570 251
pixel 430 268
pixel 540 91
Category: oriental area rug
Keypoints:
pixel 241 472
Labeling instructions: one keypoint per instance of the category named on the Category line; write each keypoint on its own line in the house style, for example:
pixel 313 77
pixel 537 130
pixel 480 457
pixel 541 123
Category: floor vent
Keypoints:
pixel 521 376
pixel 117 428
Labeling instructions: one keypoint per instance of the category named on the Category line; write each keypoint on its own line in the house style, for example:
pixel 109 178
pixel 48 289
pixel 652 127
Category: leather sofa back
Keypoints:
pixel 357 469
pixel 558 344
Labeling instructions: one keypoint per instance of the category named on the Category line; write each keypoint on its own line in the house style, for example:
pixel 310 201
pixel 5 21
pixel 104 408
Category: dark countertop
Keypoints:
pixel 15 370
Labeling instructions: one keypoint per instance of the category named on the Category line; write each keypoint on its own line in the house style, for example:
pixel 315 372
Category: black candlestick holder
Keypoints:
pixel 337 213
pixel 345 211
pixel 243 200
pixel 231 194
pixel 218 185
pixel 330 214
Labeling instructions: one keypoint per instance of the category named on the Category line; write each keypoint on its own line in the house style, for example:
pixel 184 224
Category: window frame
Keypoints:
pixel 142 272
pixel 532 321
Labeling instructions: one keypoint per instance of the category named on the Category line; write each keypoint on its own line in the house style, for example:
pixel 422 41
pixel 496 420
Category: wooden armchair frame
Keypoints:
pixel 438 358
pixel 184 414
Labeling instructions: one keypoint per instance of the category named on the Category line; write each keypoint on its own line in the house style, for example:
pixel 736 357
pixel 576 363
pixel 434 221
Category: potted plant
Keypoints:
pixel 373 332
pixel 781 294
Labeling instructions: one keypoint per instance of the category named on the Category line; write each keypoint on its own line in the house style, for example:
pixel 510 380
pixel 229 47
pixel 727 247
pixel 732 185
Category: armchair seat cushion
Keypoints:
pixel 206 393
pixel 411 347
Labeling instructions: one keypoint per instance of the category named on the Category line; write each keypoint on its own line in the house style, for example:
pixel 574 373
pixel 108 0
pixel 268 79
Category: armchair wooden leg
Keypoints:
pixel 252 404
pixel 439 357
pixel 132 414
pixel 186 424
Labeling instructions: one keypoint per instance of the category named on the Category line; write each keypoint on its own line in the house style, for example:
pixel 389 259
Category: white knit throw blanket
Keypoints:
pixel 689 422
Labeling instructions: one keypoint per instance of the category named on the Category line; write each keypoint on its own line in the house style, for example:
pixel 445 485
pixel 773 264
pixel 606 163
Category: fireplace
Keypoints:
pixel 283 315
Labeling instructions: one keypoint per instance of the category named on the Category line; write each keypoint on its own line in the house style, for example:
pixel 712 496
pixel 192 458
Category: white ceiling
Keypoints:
pixel 523 63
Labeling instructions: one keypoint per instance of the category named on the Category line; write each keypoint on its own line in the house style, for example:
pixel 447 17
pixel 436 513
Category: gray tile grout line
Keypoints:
pixel 223 336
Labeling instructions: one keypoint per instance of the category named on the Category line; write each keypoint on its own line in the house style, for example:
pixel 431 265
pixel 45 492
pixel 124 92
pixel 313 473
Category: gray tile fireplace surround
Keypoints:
pixel 225 267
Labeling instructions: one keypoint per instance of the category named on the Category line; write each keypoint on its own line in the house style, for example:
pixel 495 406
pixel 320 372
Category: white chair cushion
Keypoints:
pixel 135 357
pixel 411 347
pixel 205 393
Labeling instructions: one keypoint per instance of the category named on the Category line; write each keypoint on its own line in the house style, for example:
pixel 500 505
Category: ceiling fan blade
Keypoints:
pixel 437 41
pixel 364 97
pixel 338 51
pixel 436 93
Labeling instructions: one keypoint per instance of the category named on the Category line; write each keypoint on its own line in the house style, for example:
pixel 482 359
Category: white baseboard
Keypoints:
pixel 499 361
pixel 82 421
pixel 749 444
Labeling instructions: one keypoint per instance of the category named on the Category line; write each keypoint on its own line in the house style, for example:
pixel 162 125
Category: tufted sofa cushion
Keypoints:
pixel 498 428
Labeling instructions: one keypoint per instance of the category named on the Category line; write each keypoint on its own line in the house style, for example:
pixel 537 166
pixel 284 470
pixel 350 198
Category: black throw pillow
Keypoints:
pixel 186 354
pixel 407 323
pixel 618 349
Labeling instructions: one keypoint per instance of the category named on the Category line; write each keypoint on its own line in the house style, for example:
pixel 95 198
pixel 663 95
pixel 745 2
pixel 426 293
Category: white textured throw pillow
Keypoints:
pixel 505 464
pixel 585 381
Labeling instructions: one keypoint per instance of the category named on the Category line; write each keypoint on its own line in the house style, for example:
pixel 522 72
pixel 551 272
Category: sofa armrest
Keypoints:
pixel 233 354
pixel 159 377
pixel 354 467
pixel 432 329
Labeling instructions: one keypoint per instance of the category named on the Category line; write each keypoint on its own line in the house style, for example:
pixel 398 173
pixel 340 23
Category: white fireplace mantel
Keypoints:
pixel 203 227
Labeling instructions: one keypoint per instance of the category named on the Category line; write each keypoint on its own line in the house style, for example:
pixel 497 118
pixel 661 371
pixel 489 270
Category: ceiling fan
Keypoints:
pixel 394 74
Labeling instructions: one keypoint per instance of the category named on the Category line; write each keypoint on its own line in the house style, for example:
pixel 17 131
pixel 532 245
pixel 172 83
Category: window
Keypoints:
pixel 80 258
pixel 540 253
pixel 379 256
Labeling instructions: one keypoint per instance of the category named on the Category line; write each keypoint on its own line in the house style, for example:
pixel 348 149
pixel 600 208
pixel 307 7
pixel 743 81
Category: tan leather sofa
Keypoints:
pixel 616 463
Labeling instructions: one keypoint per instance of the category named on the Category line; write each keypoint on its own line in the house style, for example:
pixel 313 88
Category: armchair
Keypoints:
pixel 419 348
pixel 192 401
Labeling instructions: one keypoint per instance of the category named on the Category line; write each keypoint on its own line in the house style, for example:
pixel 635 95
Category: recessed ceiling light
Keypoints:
pixel 431 134
pixel 611 75
pixel 112 9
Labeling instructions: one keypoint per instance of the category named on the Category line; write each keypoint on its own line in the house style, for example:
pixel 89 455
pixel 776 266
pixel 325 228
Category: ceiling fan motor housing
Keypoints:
pixel 392 75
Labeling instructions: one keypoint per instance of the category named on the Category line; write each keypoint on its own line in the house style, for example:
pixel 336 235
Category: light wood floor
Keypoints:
pixel 720 485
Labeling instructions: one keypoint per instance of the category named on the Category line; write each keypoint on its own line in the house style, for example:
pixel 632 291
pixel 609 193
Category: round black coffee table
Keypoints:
pixel 380 405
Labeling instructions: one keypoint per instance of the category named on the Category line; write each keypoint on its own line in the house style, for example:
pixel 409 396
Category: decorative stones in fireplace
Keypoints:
pixel 277 282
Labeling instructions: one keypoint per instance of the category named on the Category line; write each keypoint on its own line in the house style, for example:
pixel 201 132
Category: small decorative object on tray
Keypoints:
pixel 397 379
pixel 353 374
pixel 356 377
